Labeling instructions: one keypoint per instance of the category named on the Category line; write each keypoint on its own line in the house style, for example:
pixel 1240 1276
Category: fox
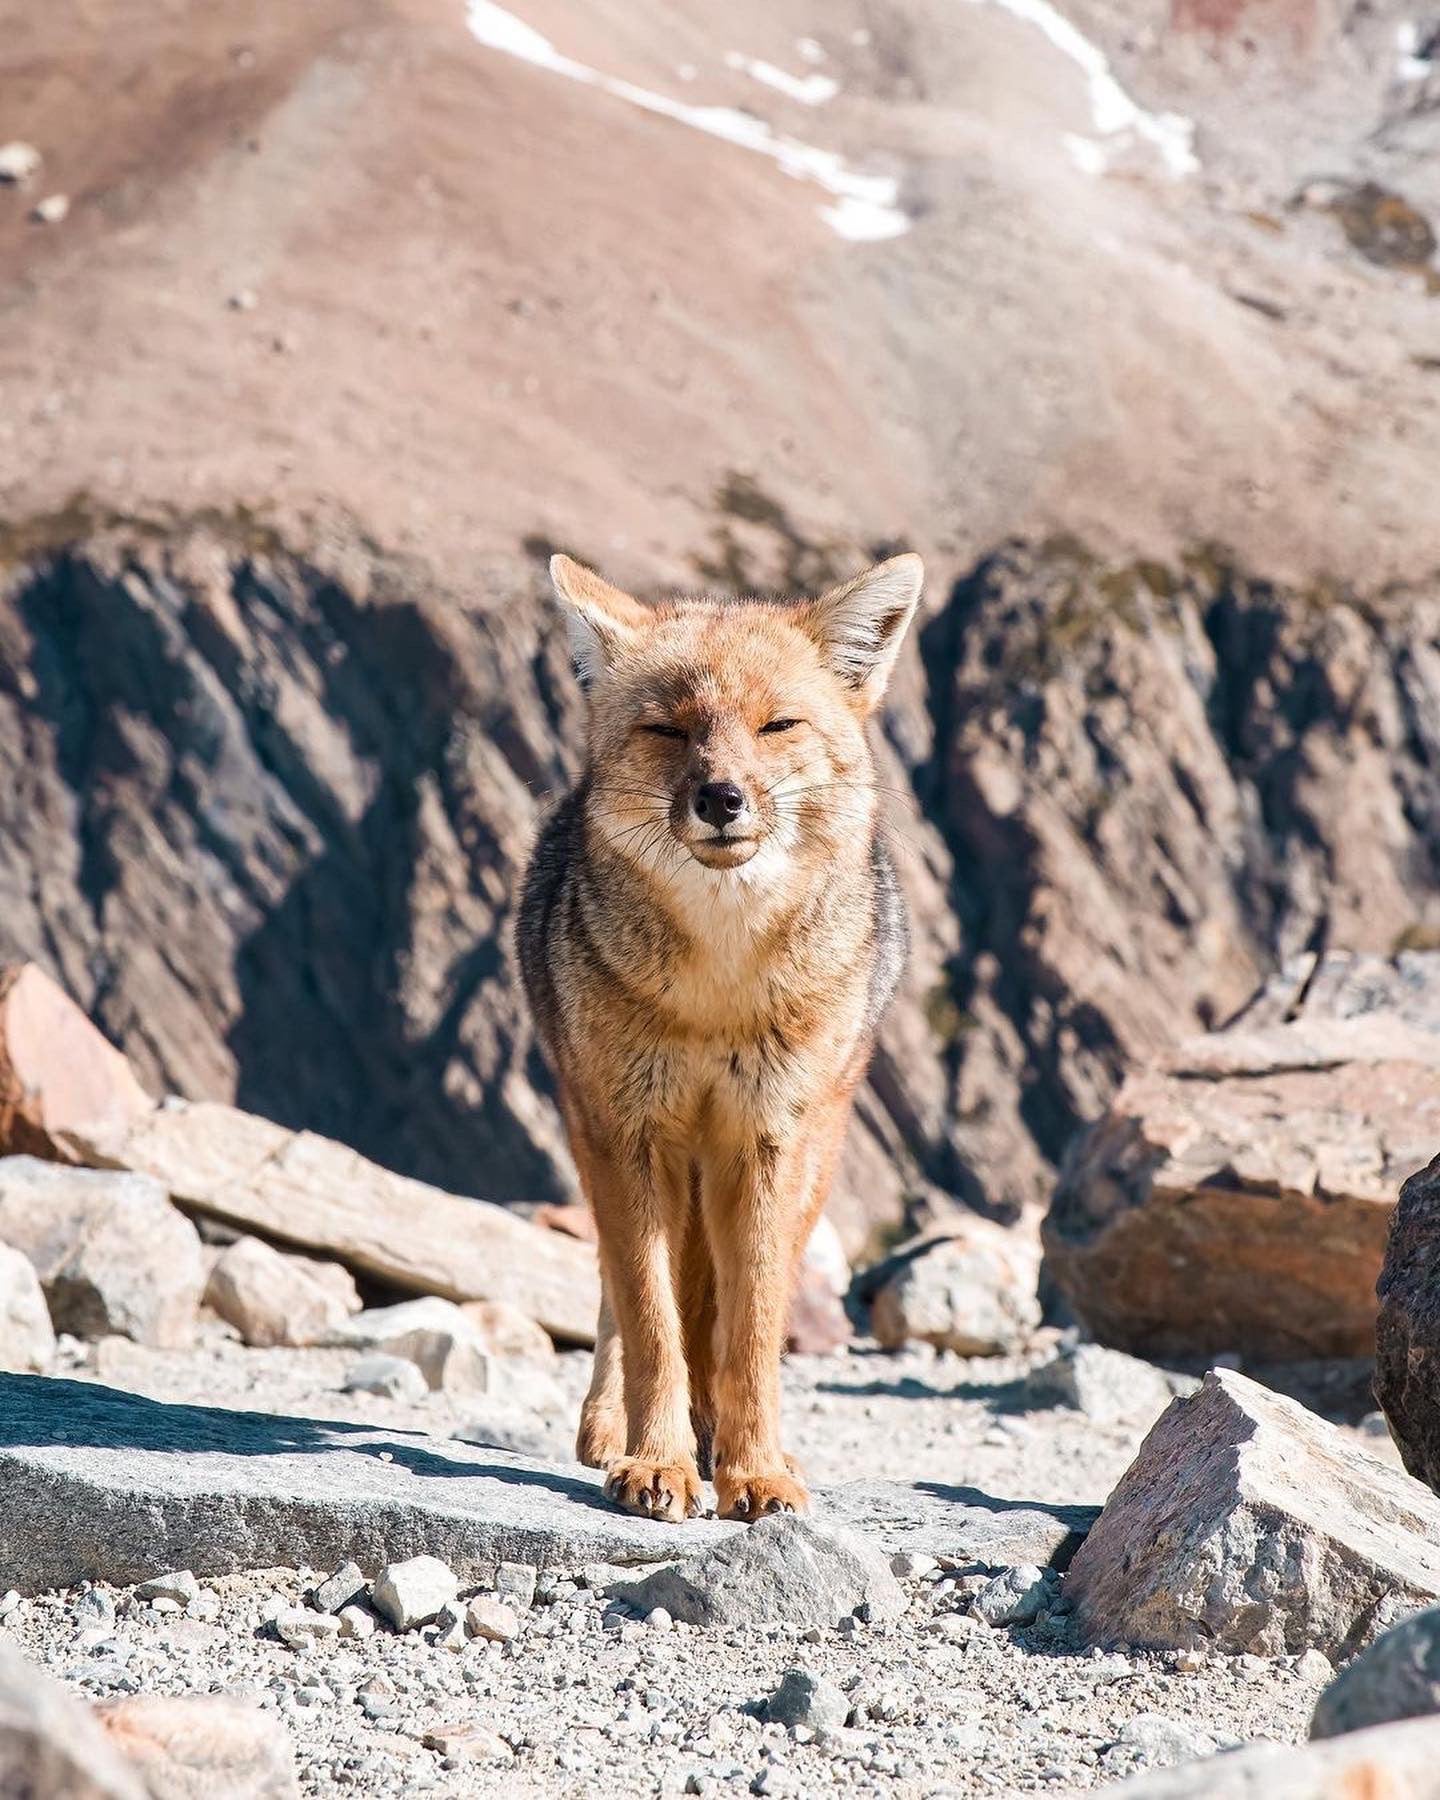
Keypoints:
pixel 709 932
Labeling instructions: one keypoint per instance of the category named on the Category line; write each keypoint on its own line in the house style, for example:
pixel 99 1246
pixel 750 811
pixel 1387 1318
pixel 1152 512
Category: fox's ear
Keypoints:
pixel 604 622
pixel 860 624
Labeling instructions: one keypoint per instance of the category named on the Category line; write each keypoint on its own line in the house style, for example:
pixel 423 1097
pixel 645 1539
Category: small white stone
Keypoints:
pixel 52 210
pixel 178 1585
pixel 490 1618
pixel 658 1619
pixel 411 1593
pixel 18 161
pixel 303 1630
pixel 356 1622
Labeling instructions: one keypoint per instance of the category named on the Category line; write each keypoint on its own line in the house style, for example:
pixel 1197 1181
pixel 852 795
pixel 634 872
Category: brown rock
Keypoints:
pixel 27 1338
pixel 50 1746
pixel 1246 1523
pixel 112 1253
pixel 970 1286
pixel 56 1071
pixel 301 1189
pixel 1407 1348
pixel 199 1747
pixel 1237 1197
pixel 271 1298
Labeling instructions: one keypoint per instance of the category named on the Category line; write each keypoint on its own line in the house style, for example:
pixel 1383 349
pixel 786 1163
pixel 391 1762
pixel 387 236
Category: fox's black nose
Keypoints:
pixel 718 803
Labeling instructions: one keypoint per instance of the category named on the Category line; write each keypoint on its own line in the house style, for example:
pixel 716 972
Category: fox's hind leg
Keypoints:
pixel 601 1439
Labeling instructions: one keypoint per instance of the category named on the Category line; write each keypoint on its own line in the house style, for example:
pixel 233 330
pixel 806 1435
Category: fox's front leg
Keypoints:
pixel 756 1210
pixel 657 1475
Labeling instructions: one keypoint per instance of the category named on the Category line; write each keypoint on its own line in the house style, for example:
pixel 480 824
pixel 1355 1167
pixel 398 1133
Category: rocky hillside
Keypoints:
pixel 262 815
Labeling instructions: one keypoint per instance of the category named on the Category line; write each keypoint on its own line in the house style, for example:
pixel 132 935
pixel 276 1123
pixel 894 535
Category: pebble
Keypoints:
pixel 179 1586
pixel 304 1630
pixel 490 1618
pixel 356 1623
pixel 808 1701
pixel 516 1582
pixel 1014 1597
pixel 339 1590
pixel 657 1619
pixel 391 1377
pixel 52 210
pixel 411 1593
pixel 18 162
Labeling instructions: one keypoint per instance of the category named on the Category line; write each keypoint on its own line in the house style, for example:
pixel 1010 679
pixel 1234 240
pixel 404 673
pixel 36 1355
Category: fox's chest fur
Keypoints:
pixel 725 1010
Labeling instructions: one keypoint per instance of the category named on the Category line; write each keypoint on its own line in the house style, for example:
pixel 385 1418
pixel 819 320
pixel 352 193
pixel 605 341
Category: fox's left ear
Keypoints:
pixel 860 625
pixel 604 621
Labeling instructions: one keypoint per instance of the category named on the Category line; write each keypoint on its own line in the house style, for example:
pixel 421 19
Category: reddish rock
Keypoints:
pixel 56 1070
pixel 1237 1196
pixel 198 1747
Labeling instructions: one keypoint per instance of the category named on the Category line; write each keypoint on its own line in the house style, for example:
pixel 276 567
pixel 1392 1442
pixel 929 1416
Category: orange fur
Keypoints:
pixel 707 986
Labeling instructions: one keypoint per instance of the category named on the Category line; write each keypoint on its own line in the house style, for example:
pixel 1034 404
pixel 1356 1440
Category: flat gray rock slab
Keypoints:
pixel 103 1485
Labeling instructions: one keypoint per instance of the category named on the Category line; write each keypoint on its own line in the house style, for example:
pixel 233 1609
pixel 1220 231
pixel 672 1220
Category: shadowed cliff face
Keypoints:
pixel 265 820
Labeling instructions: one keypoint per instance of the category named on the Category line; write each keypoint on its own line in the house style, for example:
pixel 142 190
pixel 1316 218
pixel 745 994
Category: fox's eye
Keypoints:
pixel 666 731
pixel 778 725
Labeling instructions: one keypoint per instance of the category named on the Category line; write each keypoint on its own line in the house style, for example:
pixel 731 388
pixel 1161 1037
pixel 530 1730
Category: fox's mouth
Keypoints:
pixel 723 851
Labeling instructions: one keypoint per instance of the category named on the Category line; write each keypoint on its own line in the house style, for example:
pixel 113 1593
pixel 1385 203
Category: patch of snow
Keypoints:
pixel 867 209
pixel 1111 108
pixel 809 50
pixel 809 90
pixel 1410 64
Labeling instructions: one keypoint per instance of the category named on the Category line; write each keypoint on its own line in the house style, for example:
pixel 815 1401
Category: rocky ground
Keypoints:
pixel 588 1698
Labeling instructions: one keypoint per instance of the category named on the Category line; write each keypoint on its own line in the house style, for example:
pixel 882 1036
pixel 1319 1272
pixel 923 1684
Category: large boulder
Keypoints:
pixel 56 1071
pixel 103 1485
pixel 1396 1762
pixel 50 1746
pixel 1407 1333
pixel 1237 1195
pixel 296 1188
pixel 1398 1677
pixel 1246 1523
pixel 27 1338
pixel 112 1253
pixel 969 1286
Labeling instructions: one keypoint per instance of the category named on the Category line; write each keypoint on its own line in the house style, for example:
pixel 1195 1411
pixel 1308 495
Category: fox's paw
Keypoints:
pixel 751 1497
pixel 655 1490
pixel 600 1441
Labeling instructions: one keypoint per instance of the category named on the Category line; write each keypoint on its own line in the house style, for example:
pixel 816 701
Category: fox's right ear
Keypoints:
pixel 603 621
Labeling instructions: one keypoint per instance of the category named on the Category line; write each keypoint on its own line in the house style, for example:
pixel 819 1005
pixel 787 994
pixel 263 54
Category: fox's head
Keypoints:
pixel 731 733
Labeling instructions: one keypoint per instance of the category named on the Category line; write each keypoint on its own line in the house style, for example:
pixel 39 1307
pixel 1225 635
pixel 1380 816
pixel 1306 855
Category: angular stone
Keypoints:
pixel 1246 1523
pixel 50 1745
pixel 104 1485
pixel 806 1699
pixel 302 1629
pixel 337 1591
pixel 516 1583
pixel 1407 1333
pixel 271 1298
pixel 57 1073
pixel 785 1570
pixel 27 1338
pixel 487 1616
pixel 1398 1677
pixel 1106 1385
pixel 297 1188
pixel 1236 1196
pixel 411 1593
pixel 178 1585
pixel 1015 1596
pixel 467 1743
pixel 111 1252
pixel 972 1289
pixel 199 1746
pixel 391 1377
pixel 1390 1762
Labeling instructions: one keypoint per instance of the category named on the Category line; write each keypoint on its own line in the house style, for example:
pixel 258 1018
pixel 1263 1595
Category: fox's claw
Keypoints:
pixel 669 1491
pixel 751 1497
